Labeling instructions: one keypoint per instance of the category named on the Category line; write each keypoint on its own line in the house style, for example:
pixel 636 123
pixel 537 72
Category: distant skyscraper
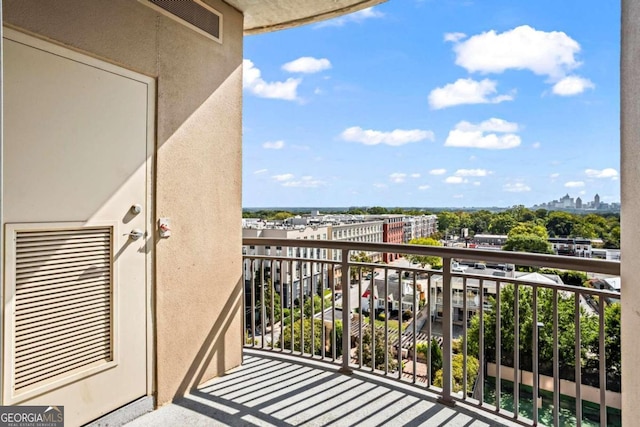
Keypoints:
pixel 578 203
pixel 596 201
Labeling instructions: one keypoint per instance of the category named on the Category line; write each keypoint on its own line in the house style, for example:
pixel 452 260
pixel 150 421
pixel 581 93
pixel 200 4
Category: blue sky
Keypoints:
pixel 435 103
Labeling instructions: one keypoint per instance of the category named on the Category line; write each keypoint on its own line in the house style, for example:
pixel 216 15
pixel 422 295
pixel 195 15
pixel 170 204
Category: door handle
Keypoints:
pixel 135 234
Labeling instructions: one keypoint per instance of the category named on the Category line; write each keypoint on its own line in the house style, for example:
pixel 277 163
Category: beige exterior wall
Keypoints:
pixel 198 292
pixel 630 220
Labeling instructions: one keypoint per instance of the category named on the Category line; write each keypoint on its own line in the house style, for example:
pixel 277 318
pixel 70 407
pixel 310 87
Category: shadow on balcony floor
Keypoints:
pixel 276 390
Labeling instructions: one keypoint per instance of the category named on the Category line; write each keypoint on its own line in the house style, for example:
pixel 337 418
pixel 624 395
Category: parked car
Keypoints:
pixel 457 268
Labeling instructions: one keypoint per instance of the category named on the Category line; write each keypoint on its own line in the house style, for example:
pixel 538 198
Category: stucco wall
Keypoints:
pixel 197 298
pixel 630 220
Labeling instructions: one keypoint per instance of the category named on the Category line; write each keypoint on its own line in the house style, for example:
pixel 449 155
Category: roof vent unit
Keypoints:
pixel 194 14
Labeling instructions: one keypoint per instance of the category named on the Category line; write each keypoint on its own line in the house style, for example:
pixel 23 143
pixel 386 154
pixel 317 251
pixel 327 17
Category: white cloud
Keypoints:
pixel 574 184
pixel 380 186
pixel 536 145
pixel 304 182
pixel 604 173
pixel 582 192
pixel 477 183
pixel 517 187
pixel 259 171
pixel 358 17
pixel 455 180
pixel 544 53
pixel 423 187
pixel 471 135
pixel 458 196
pixel 397 177
pixel 437 171
pixel 572 85
pixel 415 175
pixel 307 64
pixel 394 138
pixel 283 177
pixel 491 125
pixel 273 145
pixel 253 82
pixel 466 91
pixel 454 37
pixel 472 172
pixel 554 175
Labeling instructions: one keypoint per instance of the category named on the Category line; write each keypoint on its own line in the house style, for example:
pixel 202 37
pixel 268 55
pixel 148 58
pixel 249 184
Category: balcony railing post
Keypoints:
pixel 447 333
pixel 346 313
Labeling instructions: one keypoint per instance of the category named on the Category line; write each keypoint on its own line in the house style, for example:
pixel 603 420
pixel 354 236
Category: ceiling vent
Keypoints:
pixel 195 14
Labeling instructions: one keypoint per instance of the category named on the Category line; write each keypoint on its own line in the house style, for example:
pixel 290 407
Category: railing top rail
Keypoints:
pixel 519 258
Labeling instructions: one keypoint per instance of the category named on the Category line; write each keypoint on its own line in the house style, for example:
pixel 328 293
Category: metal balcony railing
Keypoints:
pixel 327 308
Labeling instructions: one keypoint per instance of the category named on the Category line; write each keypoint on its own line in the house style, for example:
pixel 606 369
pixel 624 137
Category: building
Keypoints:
pixel 419 226
pixel 571 246
pixel 135 167
pixel 393 232
pixel 567 203
pixel 289 278
pixel 489 240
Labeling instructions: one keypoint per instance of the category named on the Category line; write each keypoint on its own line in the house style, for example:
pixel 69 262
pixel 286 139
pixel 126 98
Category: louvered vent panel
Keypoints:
pixel 62 303
pixel 193 13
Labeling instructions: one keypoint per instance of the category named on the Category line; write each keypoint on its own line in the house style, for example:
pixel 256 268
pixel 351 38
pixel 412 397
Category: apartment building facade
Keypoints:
pixel 392 232
pixel 289 278
pixel 419 226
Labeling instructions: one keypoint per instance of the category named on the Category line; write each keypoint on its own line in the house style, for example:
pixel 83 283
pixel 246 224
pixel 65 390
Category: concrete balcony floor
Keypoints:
pixel 279 390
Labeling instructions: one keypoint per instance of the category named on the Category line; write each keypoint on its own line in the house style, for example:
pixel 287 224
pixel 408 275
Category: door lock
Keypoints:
pixel 135 234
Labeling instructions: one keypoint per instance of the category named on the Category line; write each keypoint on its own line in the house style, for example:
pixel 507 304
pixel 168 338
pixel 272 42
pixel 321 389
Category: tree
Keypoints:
pixel 281 216
pixel 529 228
pixel 584 229
pixel 379 350
pixel 612 345
pixel 560 224
pixel 318 324
pixel 377 210
pixel 356 211
pixel 317 305
pixel 272 306
pixel 448 221
pixel 436 355
pixel 612 335
pixel 612 239
pixel 423 260
pixel 527 243
pixel 480 221
pixel 542 213
pixel 521 214
pixel 528 237
pixel 502 223
pixel 457 361
pixel 358 257
pixel 566 332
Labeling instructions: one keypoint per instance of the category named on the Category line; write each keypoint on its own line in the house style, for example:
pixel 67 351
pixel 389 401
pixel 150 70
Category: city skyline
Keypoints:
pixel 441 104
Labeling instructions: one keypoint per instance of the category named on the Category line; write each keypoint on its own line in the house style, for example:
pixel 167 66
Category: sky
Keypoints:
pixel 435 103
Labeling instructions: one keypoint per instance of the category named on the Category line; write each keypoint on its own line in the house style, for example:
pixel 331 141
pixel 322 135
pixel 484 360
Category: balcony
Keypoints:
pixel 474 318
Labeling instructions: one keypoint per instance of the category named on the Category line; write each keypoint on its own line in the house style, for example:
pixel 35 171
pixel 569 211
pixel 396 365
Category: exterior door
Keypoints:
pixel 76 179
